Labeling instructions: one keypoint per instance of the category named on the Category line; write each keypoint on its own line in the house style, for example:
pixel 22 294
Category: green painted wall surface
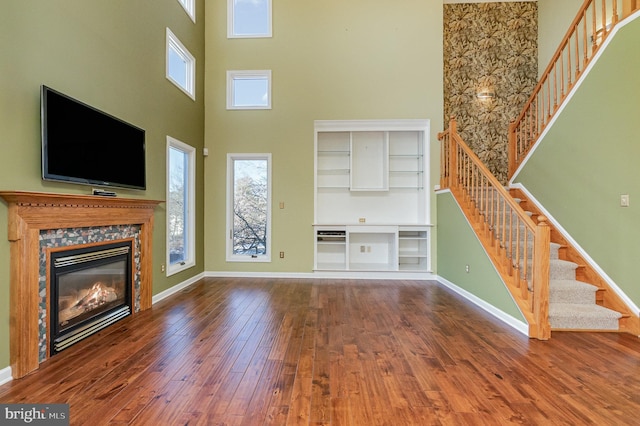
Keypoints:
pixel 590 157
pixel 555 17
pixel 458 246
pixel 332 60
pixel 110 55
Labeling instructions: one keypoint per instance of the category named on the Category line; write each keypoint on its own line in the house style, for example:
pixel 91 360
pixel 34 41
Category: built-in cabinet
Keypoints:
pixel 371 202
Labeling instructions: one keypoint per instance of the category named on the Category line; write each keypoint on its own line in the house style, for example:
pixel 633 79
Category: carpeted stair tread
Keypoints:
pixel 571 292
pixel 562 269
pixel 582 316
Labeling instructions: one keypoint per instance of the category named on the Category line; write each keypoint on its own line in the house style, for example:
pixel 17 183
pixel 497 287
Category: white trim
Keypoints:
pixel 361 275
pixel 574 89
pixel 231 29
pixel 191 207
pixel 229 256
pixel 515 323
pixel 580 250
pixel 176 288
pixel 174 44
pixel 5 375
pixel 189 6
pixel 238 75
pixel 371 125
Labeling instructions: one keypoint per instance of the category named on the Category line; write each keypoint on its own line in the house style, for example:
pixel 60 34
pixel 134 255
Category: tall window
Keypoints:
pixel 249 207
pixel 181 65
pixel 180 206
pixel 248 18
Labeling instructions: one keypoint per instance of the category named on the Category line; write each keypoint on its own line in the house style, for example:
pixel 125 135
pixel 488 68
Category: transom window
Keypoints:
pixel 181 65
pixel 249 207
pixel 249 89
pixel 248 18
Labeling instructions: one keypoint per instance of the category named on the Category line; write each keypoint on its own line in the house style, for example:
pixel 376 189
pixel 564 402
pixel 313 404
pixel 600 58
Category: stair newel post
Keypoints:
pixel 541 254
pixel 453 154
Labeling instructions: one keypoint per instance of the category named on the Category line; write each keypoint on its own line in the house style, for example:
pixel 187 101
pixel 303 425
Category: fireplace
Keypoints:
pixel 90 289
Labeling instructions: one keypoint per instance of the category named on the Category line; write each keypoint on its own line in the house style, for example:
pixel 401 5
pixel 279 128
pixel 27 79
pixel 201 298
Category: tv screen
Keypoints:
pixel 81 144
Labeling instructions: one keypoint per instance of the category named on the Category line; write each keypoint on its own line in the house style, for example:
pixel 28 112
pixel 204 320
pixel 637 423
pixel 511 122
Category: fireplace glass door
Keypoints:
pixel 90 289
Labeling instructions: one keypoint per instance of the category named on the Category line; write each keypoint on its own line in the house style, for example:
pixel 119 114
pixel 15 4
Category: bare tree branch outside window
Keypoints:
pixel 250 207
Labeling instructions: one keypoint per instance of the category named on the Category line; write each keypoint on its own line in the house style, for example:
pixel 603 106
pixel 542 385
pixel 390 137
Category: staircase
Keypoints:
pixel 573 303
pixel 579 298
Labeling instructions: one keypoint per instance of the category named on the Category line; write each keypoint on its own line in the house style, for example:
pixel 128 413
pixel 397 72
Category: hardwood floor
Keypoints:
pixel 334 352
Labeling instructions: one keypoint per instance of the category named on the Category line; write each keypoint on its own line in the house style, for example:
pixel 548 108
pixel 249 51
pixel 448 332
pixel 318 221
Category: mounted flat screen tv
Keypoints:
pixel 81 144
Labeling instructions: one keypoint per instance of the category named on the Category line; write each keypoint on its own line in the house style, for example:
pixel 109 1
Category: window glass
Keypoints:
pixel 249 207
pixel 181 65
pixel 249 89
pixel 249 18
pixel 180 206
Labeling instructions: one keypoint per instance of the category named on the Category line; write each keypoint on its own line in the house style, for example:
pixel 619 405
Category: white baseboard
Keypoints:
pixel 346 275
pixel 518 325
pixel 5 375
pixel 630 303
pixel 176 288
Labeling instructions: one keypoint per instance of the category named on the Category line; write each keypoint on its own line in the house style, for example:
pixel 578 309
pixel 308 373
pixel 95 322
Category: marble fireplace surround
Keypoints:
pixel 33 212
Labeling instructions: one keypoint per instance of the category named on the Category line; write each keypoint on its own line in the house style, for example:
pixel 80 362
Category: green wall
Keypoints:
pixel 330 60
pixel 110 55
pixel 458 246
pixel 589 158
pixel 555 17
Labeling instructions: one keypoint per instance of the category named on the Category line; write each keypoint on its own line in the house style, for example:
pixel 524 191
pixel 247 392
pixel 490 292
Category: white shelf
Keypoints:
pixel 372 172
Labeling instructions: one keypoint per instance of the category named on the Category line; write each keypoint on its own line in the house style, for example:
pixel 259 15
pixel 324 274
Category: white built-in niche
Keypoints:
pixel 371 198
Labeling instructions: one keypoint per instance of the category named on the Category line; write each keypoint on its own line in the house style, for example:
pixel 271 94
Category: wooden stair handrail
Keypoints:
pixel 503 227
pixel 567 65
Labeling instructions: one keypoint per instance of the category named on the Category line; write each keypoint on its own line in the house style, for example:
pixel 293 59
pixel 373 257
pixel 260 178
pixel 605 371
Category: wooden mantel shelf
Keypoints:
pixel 32 212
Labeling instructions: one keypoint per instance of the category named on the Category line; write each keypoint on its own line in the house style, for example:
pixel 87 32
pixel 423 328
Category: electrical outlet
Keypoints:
pixel 282 204
pixel 362 220
pixel 466 269
pixel 362 249
pixel 281 255
pixel 624 200
pixel 162 268
pixel 368 249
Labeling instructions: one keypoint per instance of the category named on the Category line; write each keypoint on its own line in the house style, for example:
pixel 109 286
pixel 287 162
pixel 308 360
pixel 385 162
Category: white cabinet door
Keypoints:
pixel 369 161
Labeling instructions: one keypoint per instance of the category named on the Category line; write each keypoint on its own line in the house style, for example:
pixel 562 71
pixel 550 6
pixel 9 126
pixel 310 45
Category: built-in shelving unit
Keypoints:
pixel 371 203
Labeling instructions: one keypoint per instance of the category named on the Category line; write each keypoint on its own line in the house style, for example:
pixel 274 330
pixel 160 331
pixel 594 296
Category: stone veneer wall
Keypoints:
pixel 489 46
pixel 79 236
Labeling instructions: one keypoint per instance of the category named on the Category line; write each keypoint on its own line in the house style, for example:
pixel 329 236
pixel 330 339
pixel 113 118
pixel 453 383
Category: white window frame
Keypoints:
pixel 175 45
pixel 235 75
pixel 231 33
pixel 189 6
pixel 190 261
pixel 231 157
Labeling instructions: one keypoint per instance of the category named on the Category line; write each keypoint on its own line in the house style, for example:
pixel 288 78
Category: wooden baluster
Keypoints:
pixel 512 155
pixel 453 154
pixel 541 252
pixel 594 35
pixel 614 16
pixel 585 42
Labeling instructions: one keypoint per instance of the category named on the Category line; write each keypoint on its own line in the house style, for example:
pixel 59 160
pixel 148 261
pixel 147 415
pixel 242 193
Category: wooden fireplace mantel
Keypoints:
pixel 32 212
